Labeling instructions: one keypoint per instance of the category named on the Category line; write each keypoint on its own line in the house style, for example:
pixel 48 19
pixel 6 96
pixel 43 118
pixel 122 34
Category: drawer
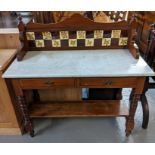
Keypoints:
pixel 108 82
pixel 46 83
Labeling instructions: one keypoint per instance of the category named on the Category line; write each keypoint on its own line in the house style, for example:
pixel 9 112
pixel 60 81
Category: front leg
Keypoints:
pixel 24 109
pixel 145 105
pixel 130 119
pixel 145 108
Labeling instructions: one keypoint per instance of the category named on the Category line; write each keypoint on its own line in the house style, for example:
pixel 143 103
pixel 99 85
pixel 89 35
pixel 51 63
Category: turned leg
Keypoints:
pixel 130 118
pixel 27 122
pixel 145 108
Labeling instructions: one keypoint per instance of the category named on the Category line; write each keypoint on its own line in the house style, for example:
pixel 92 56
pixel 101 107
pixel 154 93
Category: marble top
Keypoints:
pixel 79 63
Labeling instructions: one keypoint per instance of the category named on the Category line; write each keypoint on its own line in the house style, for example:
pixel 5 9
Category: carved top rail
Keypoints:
pixel 77 32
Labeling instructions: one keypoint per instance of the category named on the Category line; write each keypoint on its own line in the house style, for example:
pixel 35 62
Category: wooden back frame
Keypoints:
pixel 76 22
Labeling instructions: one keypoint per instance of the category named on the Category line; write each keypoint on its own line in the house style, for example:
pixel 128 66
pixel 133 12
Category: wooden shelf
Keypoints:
pixel 107 108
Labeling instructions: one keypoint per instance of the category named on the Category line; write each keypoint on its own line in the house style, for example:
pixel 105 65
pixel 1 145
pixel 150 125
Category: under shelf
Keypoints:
pixel 106 108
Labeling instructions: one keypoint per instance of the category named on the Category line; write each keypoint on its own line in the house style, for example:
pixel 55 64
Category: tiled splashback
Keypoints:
pixel 79 38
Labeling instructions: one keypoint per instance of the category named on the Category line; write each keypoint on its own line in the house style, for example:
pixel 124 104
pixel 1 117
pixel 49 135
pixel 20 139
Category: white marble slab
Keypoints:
pixel 79 63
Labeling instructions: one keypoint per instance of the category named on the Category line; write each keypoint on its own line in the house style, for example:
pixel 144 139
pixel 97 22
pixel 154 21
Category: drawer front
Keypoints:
pixel 108 82
pixel 46 83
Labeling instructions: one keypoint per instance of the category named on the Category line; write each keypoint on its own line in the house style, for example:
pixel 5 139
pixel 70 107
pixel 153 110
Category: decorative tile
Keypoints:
pixel 106 41
pixel 89 34
pixel 107 34
pixel 81 34
pixel 114 41
pixel 55 34
pixel 64 43
pixel 64 35
pixel 72 34
pixel 89 42
pixel 98 34
pixel 30 35
pixel 47 35
pixel 39 43
pixel 72 42
pixel 38 35
pixel 56 43
pixel 48 43
pixel 81 42
pixel 116 34
pixel 98 42
pixel 123 41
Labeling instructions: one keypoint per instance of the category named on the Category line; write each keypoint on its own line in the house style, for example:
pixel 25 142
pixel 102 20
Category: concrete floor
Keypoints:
pixel 90 130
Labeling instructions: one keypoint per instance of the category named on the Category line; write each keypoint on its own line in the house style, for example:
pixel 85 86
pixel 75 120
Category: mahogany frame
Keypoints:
pixel 74 23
